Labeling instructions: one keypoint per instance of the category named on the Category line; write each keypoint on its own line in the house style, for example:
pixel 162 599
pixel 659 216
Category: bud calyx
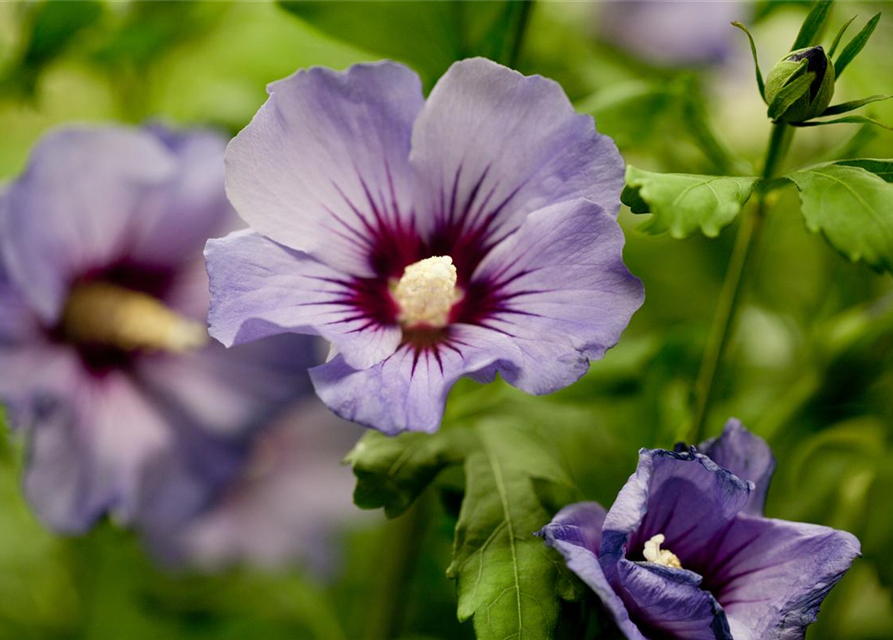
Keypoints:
pixel 792 99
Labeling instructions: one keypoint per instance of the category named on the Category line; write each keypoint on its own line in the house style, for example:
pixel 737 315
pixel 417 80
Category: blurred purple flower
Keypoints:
pixel 670 33
pixel 471 233
pixel 685 551
pixel 103 295
pixel 283 508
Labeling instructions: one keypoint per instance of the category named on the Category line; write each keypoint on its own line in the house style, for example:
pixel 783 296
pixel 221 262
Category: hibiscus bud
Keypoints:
pixel 814 98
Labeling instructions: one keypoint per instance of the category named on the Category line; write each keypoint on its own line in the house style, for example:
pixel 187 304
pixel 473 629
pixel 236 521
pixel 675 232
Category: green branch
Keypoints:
pixel 730 295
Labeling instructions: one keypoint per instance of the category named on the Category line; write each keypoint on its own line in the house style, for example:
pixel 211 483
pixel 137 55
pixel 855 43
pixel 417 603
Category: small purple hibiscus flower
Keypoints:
pixel 686 552
pixel 105 364
pixel 469 233
pixel 673 33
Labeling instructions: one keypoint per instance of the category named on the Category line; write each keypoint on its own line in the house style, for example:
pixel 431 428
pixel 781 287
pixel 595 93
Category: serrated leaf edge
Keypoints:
pixel 856 256
pixel 710 229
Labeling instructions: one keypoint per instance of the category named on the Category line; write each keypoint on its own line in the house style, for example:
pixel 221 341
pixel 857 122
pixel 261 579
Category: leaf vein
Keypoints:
pixel 503 497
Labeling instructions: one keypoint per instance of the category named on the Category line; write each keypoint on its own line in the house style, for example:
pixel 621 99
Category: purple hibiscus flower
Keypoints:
pixel 469 233
pixel 104 357
pixel 670 33
pixel 685 551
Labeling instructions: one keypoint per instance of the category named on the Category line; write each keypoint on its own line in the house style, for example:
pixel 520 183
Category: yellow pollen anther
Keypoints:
pixel 427 291
pixel 106 314
pixel 665 557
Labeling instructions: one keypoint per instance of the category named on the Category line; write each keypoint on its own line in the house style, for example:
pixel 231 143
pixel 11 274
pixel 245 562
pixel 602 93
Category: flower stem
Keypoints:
pixel 7 452
pixel 523 19
pixel 730 295
pixel 401 549
pixel 779 143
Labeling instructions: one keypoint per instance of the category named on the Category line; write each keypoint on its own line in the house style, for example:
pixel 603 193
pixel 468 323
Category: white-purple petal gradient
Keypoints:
pixel 260 288
pixel 325 161
pixel 562 292
pixel 408 390
pixel 492 145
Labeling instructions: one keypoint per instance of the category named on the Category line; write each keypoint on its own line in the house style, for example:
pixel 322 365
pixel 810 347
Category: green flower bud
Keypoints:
pixel 807 101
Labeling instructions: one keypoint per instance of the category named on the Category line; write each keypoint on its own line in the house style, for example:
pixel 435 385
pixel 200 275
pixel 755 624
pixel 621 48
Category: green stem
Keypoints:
pixel 7 450
pixel 523 20
pixel 730 295
pixel 402 545
pixel 779 143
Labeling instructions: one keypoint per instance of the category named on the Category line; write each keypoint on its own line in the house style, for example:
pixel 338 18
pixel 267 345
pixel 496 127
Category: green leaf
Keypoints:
pixel 764 9
pixel 854 146
pixel 843 120
pixel 507 579
pixel 846 107
pixel 855 46
pixel 839 36
pixel 430 36
pixel 52 26
pixel 756 61
pixel 881 168
pixel 149 30
pixel 852 207
pixel 392 471
pixel 683 203
pixel 813 24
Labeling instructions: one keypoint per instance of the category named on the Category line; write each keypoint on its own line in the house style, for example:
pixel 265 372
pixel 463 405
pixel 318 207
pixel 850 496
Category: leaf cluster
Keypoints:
pixel 507 580
pixel 849 201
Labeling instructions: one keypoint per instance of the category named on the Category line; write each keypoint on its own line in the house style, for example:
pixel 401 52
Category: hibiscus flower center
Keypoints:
pixel 653 553
pixel 106 314
pixel 426 292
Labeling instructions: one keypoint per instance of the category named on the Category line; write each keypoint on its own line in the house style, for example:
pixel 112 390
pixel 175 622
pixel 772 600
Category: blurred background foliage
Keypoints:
pixel 811 362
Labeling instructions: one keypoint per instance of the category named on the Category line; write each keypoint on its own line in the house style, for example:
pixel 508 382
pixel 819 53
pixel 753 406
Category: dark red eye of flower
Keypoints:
pixel 101 278
pixel 112 315
pixel 469 232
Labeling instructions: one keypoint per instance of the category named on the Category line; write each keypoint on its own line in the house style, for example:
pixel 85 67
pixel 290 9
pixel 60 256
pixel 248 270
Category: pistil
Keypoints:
pixel 653 553
pixel 105 314
pixel 426 292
